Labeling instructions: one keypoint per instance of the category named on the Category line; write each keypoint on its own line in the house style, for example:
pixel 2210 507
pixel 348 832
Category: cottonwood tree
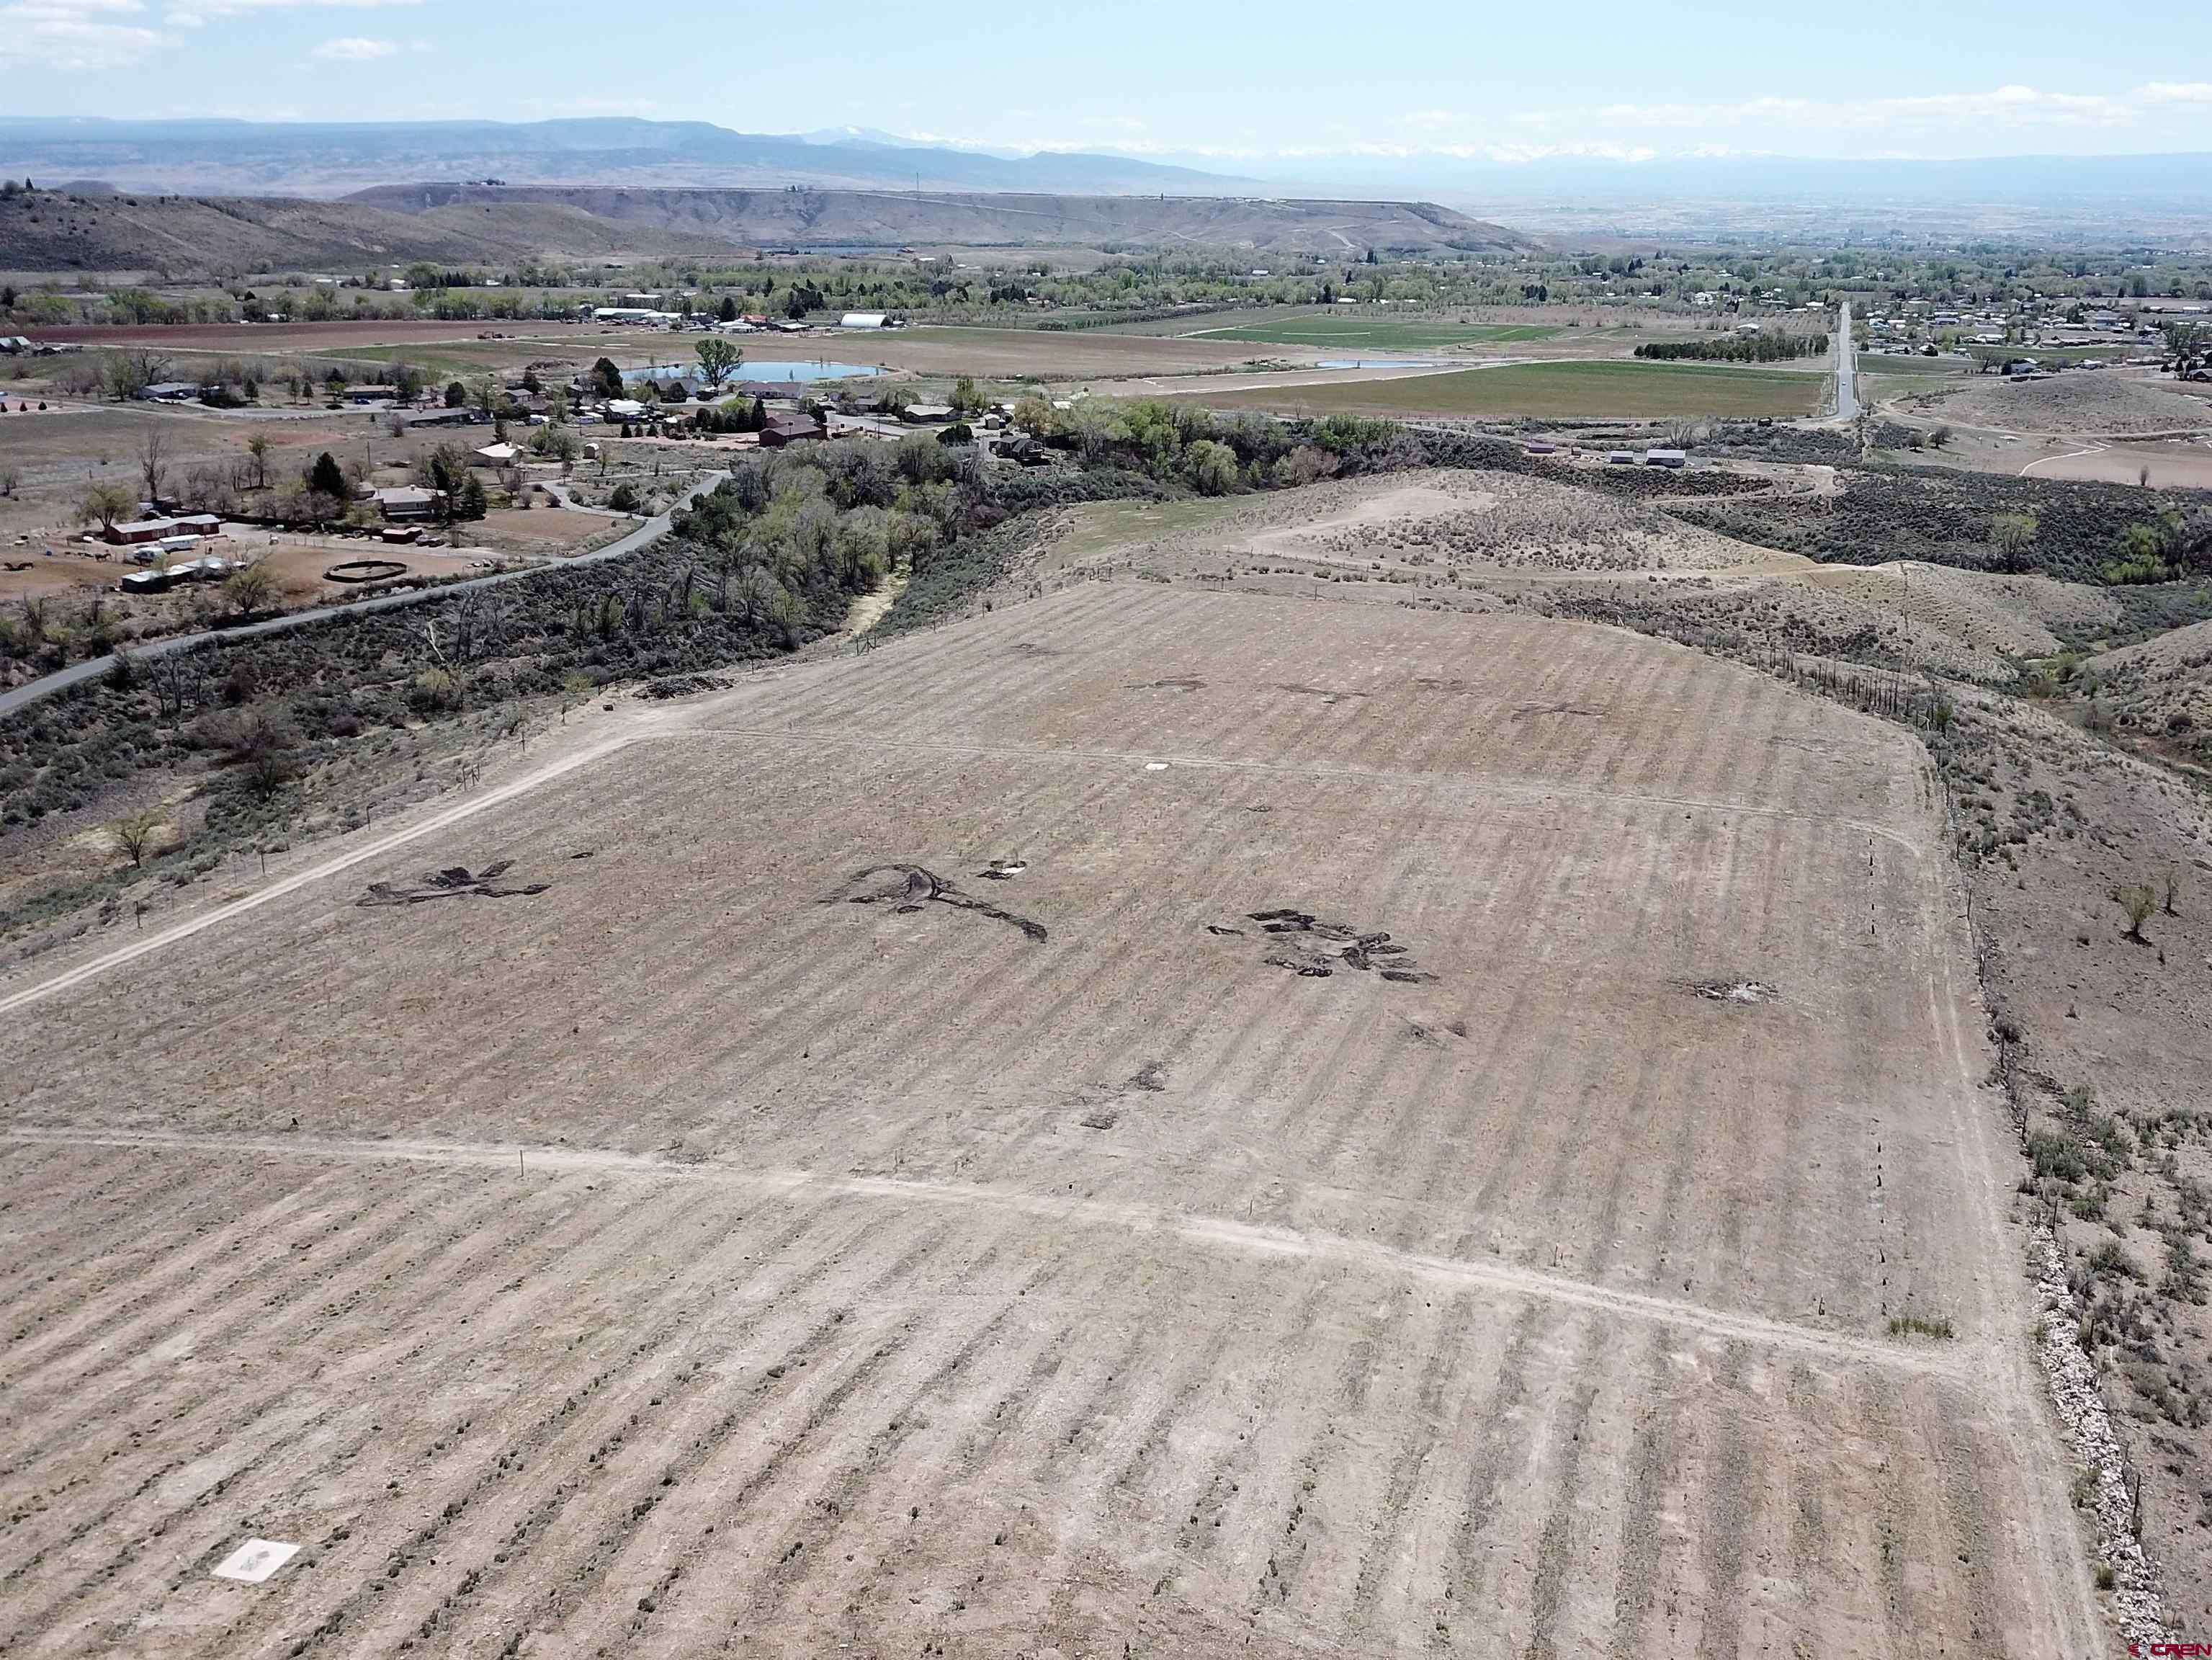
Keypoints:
pixel 257 447
pixel 135 833
pixel 153 462
pixel 2012 534
pixel 105 504
pixel 250 588
pixel 718 361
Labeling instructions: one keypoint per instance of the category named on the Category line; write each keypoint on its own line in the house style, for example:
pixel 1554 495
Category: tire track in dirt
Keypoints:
pixel 1323 1075
pixel 1555 1564
pixel 152 1220
pixel 1320 1463
pixel 1501 1276
pixel 244 1425
pixel 1107 1471
pixel 613 1241
pixel 1162 1018
pixel 1653 1445
pixel 924 1531
pixel 1558 1137
pixel 838 1498
pixel 1480 785
pixel 599 1553
pixel 1397 1514
pixel 1503 1439
pixel 78 1364
pixel 1214 1501
pixel 1009 992
pixel 294 1211
pixel 1726 1491
pixel 361 1259
pixel 646 1368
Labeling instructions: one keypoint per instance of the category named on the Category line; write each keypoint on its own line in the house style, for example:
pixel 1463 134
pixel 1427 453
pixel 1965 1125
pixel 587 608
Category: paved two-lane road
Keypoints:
pixel 1847 366
pixel 644 536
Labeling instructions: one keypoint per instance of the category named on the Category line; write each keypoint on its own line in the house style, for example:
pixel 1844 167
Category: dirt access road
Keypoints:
pixel 778 1235
pixel 649 532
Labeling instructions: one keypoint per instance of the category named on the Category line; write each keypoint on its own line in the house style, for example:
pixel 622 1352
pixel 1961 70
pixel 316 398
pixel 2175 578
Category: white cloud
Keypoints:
pixel 75 35
pixel 355 49
pixel 1967 118
pixel 196 14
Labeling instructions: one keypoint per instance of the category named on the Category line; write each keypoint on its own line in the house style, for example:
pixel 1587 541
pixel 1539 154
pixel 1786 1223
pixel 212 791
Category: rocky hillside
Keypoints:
pixel 186 234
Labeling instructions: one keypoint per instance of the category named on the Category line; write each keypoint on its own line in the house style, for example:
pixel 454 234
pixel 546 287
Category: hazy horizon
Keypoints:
pixel 1267 92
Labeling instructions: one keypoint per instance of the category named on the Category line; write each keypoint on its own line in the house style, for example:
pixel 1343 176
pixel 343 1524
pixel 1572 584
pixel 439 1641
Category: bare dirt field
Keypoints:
pixel 2085 402
pixel 297 563
pixel 1465 540
pixel 983 352
pixel 1440 526
pixel 1623 390
pixel 902 1183
pixel 2015 615
pixel 280 337
pixel 2167 466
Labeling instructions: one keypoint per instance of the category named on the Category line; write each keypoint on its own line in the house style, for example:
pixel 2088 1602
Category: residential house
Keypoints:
pixel 409 504
pixel 137 530
pixel 791 429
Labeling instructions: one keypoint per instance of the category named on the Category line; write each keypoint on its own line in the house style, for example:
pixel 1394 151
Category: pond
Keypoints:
pixel 772 374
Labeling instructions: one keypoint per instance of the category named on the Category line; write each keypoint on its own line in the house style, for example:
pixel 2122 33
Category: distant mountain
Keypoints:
pixel 2104 197
pixel 316 159
pixel 493 224
pixel 2172 181
pixel 892 219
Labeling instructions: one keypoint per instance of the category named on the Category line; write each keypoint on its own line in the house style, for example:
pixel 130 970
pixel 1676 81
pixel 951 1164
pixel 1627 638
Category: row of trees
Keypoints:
pixel 1213 452
pixel 1767 346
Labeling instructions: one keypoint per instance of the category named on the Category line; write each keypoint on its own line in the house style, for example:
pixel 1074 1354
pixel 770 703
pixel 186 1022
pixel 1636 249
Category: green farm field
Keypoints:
pixel 1366 330
pixel 1624 389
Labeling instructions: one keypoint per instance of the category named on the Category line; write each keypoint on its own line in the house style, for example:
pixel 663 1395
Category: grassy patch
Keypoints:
pixel 1921 1325
pixel 1557 391
pixel 1366 330
pixel 1100 528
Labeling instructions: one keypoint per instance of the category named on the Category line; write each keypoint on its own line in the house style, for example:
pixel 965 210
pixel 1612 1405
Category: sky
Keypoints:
pixel 1231 86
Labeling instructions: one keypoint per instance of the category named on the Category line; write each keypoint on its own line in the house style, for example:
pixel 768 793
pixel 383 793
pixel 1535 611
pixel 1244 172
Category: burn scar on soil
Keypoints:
pixel 455 882
pixel 1311 948
pixel 1103 1110
pixel 908 888
pixel 1736 991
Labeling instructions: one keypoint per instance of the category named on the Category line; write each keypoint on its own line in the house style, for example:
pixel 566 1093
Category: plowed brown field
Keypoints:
pixel 686 1259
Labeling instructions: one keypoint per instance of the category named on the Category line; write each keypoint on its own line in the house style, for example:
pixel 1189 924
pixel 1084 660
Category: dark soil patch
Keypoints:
pixel 908 888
